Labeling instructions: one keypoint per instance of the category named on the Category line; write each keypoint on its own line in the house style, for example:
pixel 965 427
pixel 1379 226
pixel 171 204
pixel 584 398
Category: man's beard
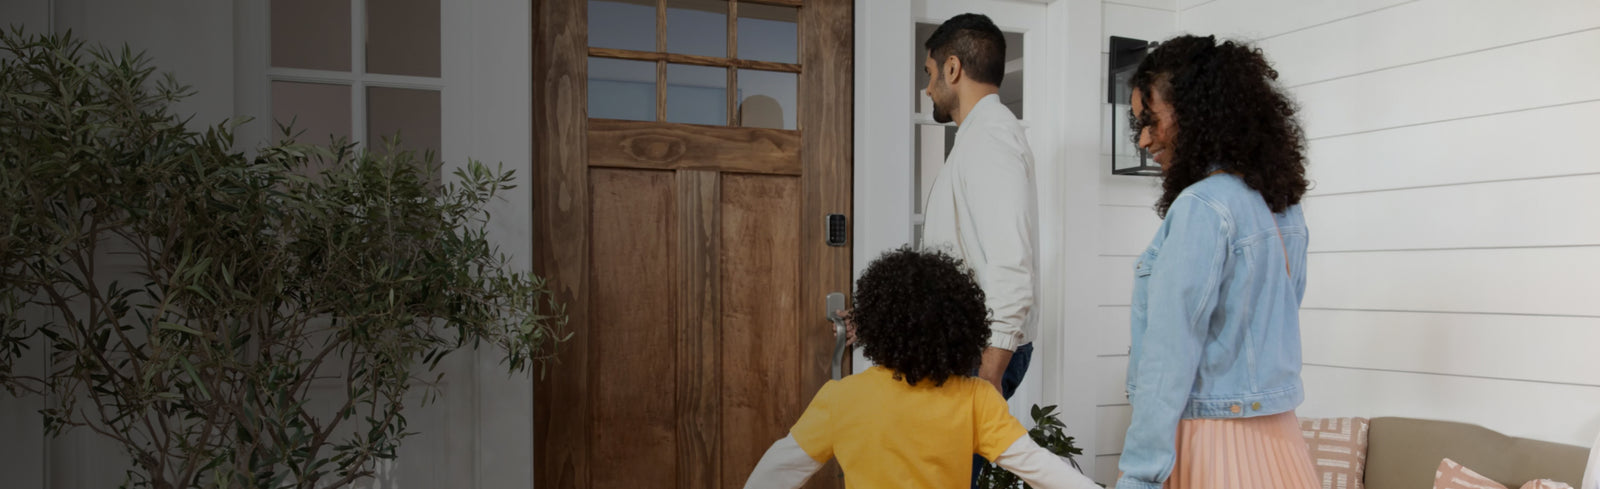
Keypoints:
pixel 941 113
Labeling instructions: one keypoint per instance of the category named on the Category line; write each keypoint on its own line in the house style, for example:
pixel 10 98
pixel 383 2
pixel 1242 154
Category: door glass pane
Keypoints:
pixel 768 33
pixel 697 95
pixel 932 143
pixel 319 112
pixel 410 115
pixel 403 37
pixel 622 89
pixel 623 24
pixel 311 34
pixel 698 27
pixel 767 98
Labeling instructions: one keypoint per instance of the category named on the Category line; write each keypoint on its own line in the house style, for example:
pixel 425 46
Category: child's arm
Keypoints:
pixel 1040 468
pixel 785 465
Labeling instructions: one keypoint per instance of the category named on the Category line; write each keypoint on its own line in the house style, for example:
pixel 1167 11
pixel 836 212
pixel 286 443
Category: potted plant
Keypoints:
pixel 1050 434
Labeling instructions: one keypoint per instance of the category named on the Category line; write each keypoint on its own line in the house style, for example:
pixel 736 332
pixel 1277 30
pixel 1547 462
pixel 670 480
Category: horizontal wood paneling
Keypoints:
pixel 1545 349
pixel 1111 325
pixel 1111 426
pixel 1256 19
pixel 1135 22
pixel 662 146
pixel 1395 36
pixel 1127 230
pixel 1495 147
pixel 1523 76
pixel 1548 281
pixel 1128 190
pixel 1558 413
pixel 1542 212
pixel 1116 274
pixel 1112 380
pixel 1105 469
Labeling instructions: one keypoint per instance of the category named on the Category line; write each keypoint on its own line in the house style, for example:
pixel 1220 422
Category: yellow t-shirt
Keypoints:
pixel 887 433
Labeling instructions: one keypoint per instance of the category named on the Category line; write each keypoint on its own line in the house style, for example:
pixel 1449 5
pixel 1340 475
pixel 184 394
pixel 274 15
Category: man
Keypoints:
pixel 983 207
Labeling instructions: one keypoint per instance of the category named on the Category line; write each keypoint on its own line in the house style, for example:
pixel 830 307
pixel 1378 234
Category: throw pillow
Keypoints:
pixel 1452 475
pixel 1546 484
pixel 1338 448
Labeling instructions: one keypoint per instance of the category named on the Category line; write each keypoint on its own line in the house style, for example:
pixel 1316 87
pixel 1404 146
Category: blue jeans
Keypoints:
pixel 1008 386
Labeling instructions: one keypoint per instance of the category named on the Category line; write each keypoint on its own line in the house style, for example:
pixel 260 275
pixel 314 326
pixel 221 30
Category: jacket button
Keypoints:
pixel 1255 406
pixel 1234 408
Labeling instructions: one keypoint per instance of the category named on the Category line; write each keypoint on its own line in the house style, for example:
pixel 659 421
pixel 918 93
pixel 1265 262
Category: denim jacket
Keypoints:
pixel 1215 320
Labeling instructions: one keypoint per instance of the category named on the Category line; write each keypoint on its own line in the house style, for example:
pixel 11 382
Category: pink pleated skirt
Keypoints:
pixel 1266 452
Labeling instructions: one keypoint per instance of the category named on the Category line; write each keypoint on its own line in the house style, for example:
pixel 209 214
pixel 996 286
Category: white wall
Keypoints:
pixel 1126 219
pixel 1453 215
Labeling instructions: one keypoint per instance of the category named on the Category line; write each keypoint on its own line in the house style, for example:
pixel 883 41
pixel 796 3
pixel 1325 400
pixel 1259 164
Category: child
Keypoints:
pixel 916 418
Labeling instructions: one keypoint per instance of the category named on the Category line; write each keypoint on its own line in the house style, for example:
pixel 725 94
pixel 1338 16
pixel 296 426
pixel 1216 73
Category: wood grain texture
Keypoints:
pixel 699 358
pixel 633 305
pixel 690 59
pixel 662 146
pixel 561 245
pixel 761 304
pixel 780 3
pixel 825 120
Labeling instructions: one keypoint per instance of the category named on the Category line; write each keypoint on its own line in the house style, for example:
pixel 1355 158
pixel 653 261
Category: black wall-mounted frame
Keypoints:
pixel 1126 157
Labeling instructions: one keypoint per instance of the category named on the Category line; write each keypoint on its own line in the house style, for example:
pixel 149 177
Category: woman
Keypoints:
pixel 1214 370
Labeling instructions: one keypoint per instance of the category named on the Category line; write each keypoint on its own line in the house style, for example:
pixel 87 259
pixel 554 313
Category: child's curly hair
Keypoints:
pixel 921 314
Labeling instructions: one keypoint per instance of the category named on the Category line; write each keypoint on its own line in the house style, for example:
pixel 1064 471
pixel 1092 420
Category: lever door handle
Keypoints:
pixel 841 333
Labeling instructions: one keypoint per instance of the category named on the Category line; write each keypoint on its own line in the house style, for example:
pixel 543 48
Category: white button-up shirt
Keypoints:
pixel 983 209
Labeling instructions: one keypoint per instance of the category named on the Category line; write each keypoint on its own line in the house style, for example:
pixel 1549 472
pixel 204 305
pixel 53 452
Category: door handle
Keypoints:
pixel 841 333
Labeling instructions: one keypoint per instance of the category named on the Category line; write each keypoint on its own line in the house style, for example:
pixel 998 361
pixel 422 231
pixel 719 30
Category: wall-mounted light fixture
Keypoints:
pixel 1126 157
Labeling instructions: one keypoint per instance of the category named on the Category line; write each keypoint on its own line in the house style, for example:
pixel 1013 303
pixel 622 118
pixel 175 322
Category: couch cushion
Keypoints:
pixel 1339 450
pixel 1401 450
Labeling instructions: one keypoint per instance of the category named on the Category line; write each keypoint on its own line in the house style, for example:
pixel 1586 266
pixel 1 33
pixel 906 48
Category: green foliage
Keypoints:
pixel 1050 434
pixel 191 294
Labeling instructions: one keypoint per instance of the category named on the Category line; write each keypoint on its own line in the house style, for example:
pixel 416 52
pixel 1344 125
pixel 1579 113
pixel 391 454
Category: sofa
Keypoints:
pixel 1403 453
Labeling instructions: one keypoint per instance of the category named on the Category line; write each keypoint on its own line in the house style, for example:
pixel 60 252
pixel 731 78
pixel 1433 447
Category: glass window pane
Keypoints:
pixel 410 115
pixel 403 37
pixel 622 89
pixel 697 95
pixel 698 27
pixel 318 112
pixel 768 33
pixel 623 24
pixel 311 34
pixel 767 98
pixel 932 145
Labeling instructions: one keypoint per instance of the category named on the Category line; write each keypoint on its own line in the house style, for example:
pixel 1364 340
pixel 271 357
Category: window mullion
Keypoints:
pixel 358 71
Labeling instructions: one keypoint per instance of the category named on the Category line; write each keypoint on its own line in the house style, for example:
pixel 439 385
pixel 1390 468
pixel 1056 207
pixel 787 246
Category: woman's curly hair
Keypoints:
pixel 921 314
pixel 1230 116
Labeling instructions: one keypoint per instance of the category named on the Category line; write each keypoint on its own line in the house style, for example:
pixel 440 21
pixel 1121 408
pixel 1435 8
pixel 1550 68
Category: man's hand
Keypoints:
pixel 994 365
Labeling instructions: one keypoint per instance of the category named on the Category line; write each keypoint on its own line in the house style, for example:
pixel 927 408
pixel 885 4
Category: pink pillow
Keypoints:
pixel 1546 484
pixel 1338 448
pixel 1452 475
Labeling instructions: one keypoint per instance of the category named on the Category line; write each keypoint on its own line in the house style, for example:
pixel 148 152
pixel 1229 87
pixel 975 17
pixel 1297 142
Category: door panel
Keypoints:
pixel 691 257
pixel 635 231
pixel 760 317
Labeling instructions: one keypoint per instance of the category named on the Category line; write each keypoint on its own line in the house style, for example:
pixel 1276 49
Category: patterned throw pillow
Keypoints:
pixel 1546 484
pixel 1452 475
pixel 1339 450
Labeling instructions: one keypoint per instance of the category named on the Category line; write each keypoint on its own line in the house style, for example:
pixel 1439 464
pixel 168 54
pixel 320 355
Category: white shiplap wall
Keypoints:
pixel 1126 221
pixel 1455 216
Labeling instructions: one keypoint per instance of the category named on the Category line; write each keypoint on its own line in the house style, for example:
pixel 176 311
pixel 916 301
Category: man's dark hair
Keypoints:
pixel 921 314
pixel 973 39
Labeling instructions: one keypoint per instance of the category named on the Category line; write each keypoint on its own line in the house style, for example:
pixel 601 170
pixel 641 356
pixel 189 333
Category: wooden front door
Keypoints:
pixel 691 257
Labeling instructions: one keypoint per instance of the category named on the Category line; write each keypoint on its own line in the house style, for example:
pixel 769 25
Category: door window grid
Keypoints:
pixel 357 78
pixel 769 88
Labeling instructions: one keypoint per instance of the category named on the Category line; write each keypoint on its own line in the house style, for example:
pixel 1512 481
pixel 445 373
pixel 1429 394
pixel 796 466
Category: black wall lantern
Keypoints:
pixel 1126 157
